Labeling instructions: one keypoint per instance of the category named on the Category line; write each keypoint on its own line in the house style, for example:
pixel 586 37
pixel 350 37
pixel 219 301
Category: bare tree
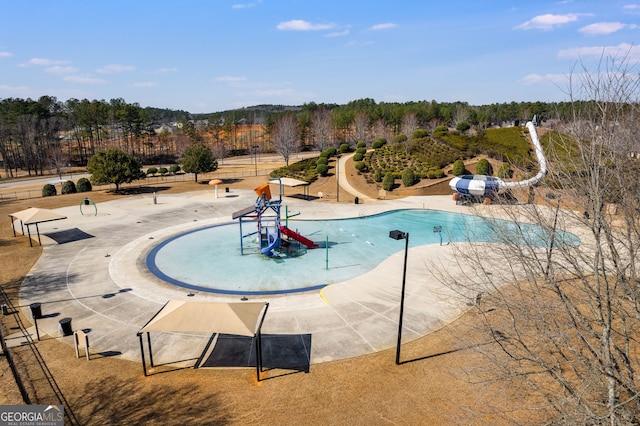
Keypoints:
pixel 381 130
pixel 361 126
pixel 408 126
pixel 285 136
pixel 322 129
pixel 219 150
pixel 563 313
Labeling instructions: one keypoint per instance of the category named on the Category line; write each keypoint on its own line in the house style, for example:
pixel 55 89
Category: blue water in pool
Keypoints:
pixel 209 259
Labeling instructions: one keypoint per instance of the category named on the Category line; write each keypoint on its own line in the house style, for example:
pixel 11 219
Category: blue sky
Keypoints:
pixel 213 55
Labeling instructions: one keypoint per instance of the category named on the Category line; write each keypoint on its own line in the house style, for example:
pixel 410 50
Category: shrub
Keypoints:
pixel 330 152
pixel 344 147
pixel 361 167
pixel 484 167
pixel 458 168
pixel 505 172
pixel 463 126
pixel 152 170
pixel 84 185
pixel 358 156
pixel 379 143
pixel 399 138
pixel 49 190
pixel 361 144
pixel 408 177
pixel 388 181
pixel 163 171
pixel 69 187
pixel 361 150
pixel 322 169
pixel 174 168
pixel 377 175
pixel 419 133
pixel 441 129
pixel 322 160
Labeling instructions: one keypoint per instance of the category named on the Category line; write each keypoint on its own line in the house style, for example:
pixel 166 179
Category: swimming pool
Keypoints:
pixel 209 259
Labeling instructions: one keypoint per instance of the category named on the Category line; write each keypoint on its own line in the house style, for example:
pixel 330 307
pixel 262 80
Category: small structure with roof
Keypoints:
pixel 33 216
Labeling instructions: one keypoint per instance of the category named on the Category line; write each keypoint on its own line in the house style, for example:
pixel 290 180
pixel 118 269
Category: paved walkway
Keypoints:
pixel 343 181
pixel 95 274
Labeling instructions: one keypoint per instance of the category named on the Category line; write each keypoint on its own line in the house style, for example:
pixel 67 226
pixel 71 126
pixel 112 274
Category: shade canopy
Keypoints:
pixel 34 215
pixel 215 182
pixel 178 316
pixel 285 181
pixel 292 182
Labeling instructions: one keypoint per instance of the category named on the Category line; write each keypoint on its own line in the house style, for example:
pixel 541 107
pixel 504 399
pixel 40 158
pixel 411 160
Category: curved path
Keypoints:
pixel 344 181
pixel 95 274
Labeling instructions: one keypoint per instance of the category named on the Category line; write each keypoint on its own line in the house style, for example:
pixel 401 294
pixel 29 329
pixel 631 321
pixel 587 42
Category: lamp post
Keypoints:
pixel 338 178
pixel 255 157
pixel 399 235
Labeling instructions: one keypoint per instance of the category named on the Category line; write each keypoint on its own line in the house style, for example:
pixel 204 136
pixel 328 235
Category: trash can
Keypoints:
pixel 36 310
pixel 356 200
pixel 65 327
pixel 5 311
pixel 226 189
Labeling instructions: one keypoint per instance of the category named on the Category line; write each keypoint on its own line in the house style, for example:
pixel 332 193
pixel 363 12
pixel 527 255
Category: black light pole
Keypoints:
pixel 338 179
pixel 399 235
pixel 255 157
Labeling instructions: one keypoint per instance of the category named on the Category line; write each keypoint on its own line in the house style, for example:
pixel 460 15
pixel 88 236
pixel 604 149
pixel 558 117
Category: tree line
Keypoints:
pixel 47 134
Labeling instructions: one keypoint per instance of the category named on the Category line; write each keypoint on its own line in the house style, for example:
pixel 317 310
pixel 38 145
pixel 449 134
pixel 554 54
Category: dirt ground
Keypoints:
pixel 428 388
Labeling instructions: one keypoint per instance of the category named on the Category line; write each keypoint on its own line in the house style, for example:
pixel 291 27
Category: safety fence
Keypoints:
pixel 14 193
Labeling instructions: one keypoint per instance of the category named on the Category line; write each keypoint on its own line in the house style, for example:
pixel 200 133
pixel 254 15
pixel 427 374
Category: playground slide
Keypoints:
pixel 298 237
pixel 244 212
pixel 273 243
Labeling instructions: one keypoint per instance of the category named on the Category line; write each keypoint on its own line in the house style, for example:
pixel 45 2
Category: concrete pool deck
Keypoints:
pixel 92 270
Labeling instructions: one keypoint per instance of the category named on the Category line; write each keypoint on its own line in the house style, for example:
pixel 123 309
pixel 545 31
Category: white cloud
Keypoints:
pixel 44 62
pixel 145 84
pixel 84 79
pixel 5 54
pixel 166 70
pixel 116 68
pixel 633 8
pixel 58 70
pixel 231 80
pixel 538 78
pixel 547 22
pixel 301 25
pixel 343 33
pixel 626 50
pixel 385 26
pixel 246 5
pixel 603 28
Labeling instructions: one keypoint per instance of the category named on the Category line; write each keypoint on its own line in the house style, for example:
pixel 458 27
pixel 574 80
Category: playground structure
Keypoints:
pixel 487 186
pixel 271 235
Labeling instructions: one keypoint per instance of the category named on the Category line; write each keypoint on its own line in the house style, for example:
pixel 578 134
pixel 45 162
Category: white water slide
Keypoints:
pixel 480 185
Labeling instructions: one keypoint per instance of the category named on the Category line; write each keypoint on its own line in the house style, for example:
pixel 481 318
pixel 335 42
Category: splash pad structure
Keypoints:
pixel 269 231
